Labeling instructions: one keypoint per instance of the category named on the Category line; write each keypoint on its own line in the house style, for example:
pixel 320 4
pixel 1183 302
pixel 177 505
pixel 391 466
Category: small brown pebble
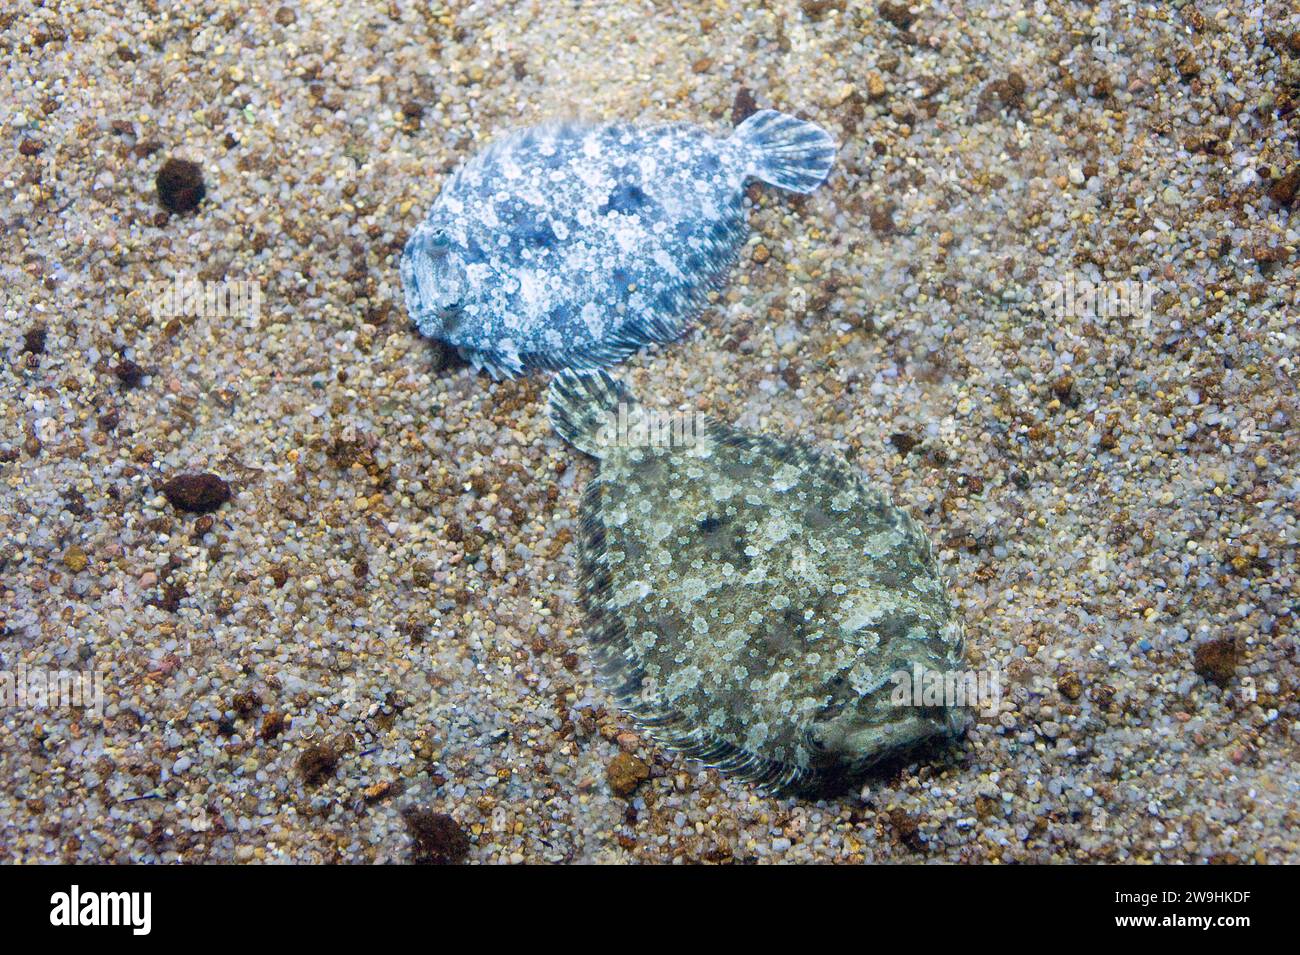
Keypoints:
pixel 899 14
pixel 881 217
pixel 377 792
pixel 75 559
pixel 1069 685
pixel 1216 660
pixel 1063 389
pixel 761 254
pixel 1103 694
pixel 31 147
pixel 1283 191
pixel 1193 18
pixel 285 17
pixel 437 839
pixel 625 773
pixel 272 726
pixel 172 595
pixel 196 493
pixel 702 65
pixel 1269 254
pixel 34 340
pixel 816 9
pixel 129 373
pixel 203 525
pixel 875 86
pixel 1013 90
pixel 903 443
pixel 744 106
pixel 317 763
pixel 180 185
pixel 908 829
pixel 1188 64
pixel 1009 93
pixel 75 502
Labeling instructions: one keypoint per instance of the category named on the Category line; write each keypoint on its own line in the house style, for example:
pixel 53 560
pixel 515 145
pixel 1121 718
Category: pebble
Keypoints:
pixel 436 837
pixel 626 773
pixel 129 373
pixel 180 185
pixel 1216 660
pixel 196 493
pixel 1283 190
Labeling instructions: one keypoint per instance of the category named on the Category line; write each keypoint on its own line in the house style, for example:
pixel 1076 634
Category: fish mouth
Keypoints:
pixel 432 302
pixel 416 307
pixel 855 741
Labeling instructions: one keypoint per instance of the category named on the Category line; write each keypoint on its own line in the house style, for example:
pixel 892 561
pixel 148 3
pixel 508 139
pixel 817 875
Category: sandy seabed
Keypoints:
pixel 379 629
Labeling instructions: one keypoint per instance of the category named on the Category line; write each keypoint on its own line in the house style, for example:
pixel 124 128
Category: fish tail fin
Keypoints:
pixel 585 408
pixel 788 153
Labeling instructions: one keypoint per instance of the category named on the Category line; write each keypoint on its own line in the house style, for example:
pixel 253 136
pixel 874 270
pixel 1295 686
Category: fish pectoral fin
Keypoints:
pixel 503 361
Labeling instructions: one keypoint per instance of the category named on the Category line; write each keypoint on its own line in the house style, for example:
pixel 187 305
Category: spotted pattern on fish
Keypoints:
pixel 571 246
pixel 748 599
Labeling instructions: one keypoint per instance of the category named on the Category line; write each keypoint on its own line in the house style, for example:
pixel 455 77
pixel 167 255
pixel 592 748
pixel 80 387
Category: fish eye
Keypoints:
pixel 439 239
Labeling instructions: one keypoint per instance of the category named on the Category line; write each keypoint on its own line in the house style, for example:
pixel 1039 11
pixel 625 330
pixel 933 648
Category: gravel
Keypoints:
pixel 391 582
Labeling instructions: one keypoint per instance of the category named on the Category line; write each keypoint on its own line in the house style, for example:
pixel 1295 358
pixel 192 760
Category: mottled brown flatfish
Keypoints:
pixel 749 599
